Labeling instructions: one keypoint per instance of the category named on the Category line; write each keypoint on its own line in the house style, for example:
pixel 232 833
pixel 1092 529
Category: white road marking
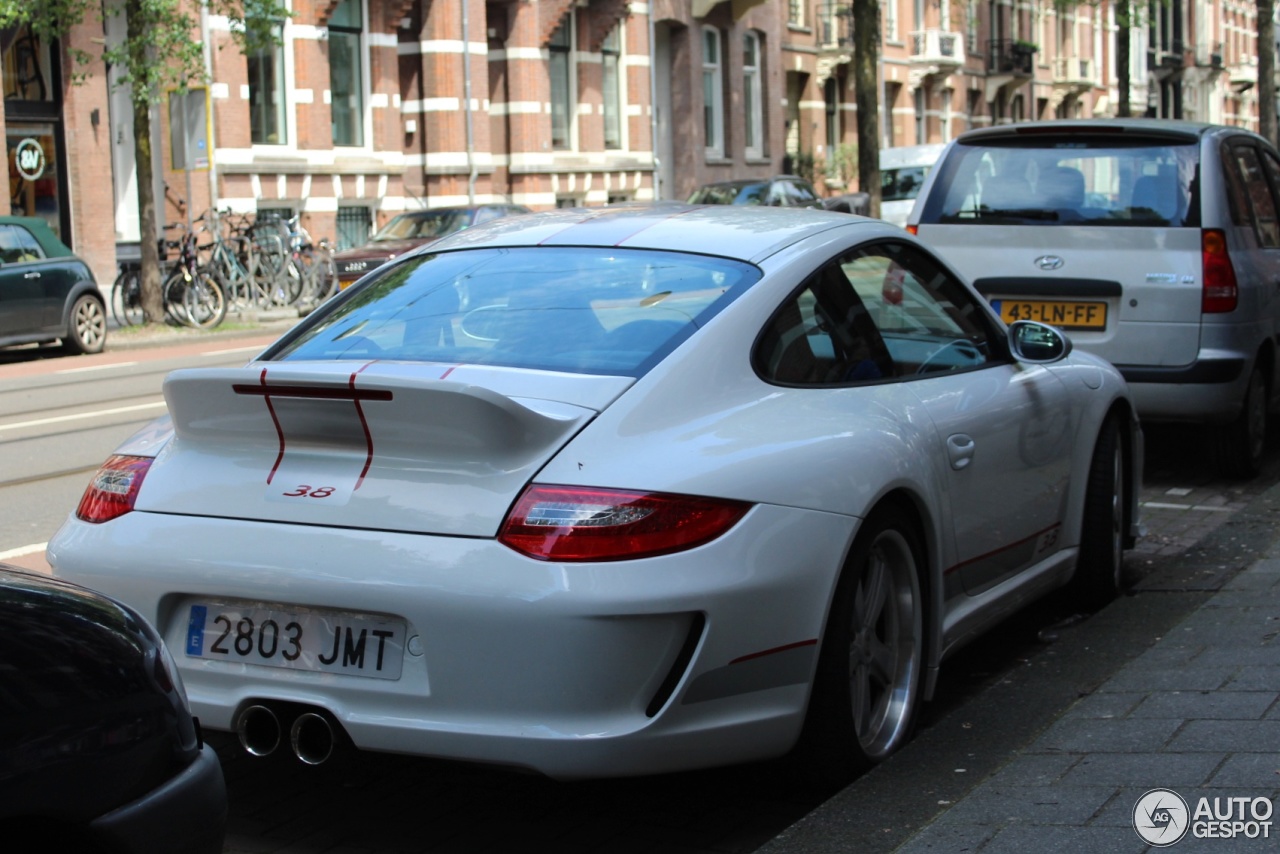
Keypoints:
pixel 59 419
pixel 258 349
pixel 96 368
pixel 1156 505
pixel 23 551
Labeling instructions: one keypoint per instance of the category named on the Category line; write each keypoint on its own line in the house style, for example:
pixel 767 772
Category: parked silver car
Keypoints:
pixel 1155 244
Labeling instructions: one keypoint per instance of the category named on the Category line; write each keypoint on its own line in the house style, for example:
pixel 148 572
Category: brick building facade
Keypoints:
pixel 371 107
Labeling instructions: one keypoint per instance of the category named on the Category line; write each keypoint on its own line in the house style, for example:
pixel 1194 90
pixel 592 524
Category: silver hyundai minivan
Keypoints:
pixel 1153 243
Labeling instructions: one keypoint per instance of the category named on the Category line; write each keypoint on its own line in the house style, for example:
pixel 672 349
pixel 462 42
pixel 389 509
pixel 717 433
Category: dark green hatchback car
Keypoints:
pixel 47 294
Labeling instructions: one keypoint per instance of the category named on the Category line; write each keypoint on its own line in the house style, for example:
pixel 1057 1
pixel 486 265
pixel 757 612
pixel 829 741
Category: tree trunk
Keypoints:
pixel 1267 69
pixel 1124 24
pixel 152 300
pixel 866 88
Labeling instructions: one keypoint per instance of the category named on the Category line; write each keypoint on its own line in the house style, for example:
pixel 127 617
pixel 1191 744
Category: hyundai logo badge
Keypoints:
pixel 1049 262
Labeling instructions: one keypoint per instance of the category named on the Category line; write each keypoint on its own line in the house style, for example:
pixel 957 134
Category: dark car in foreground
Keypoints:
pixel 411 230
pixel 98 747
pixel 47 294
pixel 780 191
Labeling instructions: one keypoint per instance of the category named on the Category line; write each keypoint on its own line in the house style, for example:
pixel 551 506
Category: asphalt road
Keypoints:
pixel 61 417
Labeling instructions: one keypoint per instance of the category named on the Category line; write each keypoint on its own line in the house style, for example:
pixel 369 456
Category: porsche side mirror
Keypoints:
pixel 1038 343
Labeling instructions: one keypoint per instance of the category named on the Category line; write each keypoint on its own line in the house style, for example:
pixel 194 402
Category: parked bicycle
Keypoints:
pixel 192 295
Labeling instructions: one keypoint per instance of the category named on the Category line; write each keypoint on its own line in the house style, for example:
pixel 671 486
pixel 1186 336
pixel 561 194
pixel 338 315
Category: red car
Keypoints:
pixel 411 230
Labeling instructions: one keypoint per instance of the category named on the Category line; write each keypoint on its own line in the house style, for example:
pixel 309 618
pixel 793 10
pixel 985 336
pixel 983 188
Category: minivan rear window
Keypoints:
pixel 558 308
pixel 1067 180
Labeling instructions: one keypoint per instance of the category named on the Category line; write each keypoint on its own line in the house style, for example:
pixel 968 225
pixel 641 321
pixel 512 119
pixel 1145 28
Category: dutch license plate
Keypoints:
pixel 297 639
pixel 1064 314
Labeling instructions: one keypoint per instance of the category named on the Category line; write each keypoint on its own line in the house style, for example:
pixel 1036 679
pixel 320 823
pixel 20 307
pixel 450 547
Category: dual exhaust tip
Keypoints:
pixel 313 736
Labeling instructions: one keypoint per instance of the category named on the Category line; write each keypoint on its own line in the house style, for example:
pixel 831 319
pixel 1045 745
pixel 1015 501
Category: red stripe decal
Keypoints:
pixel 777 649
pixel 279 431
pixel 1000 550
pixel 364 425
pixel 445 375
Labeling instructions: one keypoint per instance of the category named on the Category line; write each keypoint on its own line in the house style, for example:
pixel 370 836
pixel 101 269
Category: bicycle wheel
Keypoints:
pixel 206 304
pixel 126 298
pixel 174 291
pixel 323 276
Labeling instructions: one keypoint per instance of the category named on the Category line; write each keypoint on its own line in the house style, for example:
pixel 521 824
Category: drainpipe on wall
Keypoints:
pixel 466 92
pixel 653 108
pixel 209 125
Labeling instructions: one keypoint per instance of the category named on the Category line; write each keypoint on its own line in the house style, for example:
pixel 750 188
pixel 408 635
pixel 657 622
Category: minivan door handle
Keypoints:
pixel 30 275
pixel 960 448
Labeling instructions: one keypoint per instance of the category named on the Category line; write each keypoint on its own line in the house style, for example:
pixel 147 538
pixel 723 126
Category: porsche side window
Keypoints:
pixel 927 320
pixel 823 336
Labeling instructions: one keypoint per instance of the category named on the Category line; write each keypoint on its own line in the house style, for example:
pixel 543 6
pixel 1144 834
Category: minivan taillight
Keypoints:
pixel 1220 292
pixel 114 488
pixel 574 523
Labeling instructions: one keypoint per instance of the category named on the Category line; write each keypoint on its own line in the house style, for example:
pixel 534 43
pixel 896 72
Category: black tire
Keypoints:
pixel 1240 446
pixel 126 299
pixel 866 690
pixel 1100 566
pixel 86 326
pixel 174 294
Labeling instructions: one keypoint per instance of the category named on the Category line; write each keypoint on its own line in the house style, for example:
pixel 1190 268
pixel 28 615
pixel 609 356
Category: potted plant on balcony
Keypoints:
pixel 1024 48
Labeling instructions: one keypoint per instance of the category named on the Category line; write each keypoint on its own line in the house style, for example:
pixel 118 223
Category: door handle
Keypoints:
pixel 30 275
pixel 960 447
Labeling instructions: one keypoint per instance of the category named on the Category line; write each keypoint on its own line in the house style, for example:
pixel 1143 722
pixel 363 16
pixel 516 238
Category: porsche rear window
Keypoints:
pixel 1067 180
pixel 585 310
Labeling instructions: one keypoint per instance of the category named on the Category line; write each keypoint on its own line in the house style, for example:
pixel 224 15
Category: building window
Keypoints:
pixel 891 21
pixel 267 94
pixel 28 67
pixel 611 66
pixel 561 70
pixel 346 68
pixel 752 97
pixel 795 13
pixel 712 92
pixel 354 224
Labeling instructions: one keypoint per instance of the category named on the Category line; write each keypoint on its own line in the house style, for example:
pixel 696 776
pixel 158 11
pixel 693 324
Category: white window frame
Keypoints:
pixel 366 93
pixel 753 97
pixel 713 86
pixel 571 107
pixel 290 116
pixel 796 13
pixel 619 90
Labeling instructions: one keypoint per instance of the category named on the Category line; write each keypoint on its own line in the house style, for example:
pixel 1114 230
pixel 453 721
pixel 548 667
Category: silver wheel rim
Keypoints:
pixel 884 645
pixel 90 323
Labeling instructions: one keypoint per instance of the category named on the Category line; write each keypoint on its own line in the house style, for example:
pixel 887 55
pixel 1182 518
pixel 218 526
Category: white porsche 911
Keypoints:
pixel 613 492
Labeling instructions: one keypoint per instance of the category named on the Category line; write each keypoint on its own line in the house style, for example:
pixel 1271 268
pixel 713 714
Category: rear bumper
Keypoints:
pixel 186 815
pixel 575 670
pixel 1207 391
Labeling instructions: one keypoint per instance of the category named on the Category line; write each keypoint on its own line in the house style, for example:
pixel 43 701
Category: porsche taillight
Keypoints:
pixel 571 523
pixel 114 488
pixel 1220 293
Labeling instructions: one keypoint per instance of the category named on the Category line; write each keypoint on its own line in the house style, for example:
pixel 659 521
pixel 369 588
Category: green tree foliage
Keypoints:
pixel 162 50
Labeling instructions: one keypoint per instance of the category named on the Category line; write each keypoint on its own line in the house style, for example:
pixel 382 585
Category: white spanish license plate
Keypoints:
pixel 326 641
